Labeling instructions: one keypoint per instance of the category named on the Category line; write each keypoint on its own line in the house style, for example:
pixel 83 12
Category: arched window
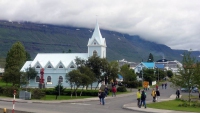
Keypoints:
pixel 94 53
pixel 37 79
pixel 60 66
pixel 48 79
pixel 38 66
pixel 60 78
pixel 49 66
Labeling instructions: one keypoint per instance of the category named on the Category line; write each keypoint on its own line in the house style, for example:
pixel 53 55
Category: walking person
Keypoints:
pixel 157 95
pixel 138 98
pixel 153 94
pixel 165 85
pixel 199 95
pixel 143 99
pixel 177 93
pixel 156 86
pixel 114 90
pixel 162 85
pixel 99 95
pixel 103 95
pixel 106 90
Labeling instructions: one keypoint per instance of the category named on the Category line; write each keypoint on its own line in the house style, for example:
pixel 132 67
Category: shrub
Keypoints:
pixel 38 94
pixel 9 91
pixel 121 89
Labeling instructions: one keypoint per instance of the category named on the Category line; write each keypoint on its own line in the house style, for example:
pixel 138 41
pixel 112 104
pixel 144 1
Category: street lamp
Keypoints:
pixel 142 73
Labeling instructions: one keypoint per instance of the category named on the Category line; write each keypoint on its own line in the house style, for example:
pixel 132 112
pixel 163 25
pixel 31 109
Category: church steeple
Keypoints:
pixel 96 43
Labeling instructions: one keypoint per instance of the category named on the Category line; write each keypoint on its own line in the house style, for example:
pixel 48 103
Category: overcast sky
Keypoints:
pixel 175 23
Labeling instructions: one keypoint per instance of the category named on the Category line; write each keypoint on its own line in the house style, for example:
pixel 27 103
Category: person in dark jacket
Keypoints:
pixel 99 95
pixel 157 94
pixel 106 90
pixel 103 95
pixel 143 100
pixel 177 93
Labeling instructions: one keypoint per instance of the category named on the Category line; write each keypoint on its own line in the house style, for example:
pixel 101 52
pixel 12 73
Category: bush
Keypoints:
pixel 9 91
pixel 121 89
pixel 132 84
pixel 37 94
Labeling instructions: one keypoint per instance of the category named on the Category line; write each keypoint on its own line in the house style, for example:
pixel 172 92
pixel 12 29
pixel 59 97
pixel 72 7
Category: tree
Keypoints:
pixel 148 75
pixel 111 71
pixel 88 77
pixel 59 89
pixel 187 75
pixel 28 56
pixel 127 73
pixel 150 59
pixel 30 73
pixel 169 73
pixel 15 59
pixel 75 79
pixel 69 51
pixel 95 64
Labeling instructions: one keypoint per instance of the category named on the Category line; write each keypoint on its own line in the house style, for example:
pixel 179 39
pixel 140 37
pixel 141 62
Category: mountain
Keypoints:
pixel 46 38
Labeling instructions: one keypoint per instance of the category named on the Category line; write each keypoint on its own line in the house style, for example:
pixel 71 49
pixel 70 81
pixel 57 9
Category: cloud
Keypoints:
pixel 174 23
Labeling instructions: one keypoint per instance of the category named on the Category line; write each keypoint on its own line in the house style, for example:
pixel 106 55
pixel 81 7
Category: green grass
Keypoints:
pixel 53 97
pixel 4 84
pixel 172 105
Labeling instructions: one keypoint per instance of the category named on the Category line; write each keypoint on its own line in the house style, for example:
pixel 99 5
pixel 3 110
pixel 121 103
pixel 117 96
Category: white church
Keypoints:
pixel 57 65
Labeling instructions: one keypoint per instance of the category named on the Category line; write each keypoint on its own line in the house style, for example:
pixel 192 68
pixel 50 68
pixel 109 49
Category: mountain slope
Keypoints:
pixel 44 38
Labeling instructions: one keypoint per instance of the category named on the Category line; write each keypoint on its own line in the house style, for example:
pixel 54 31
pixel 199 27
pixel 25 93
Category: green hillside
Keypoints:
pixel 44 38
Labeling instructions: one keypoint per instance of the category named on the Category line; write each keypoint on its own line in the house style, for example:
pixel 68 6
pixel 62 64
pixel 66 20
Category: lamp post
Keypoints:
pixel 142 73
pixel 59 86
pixel 158 75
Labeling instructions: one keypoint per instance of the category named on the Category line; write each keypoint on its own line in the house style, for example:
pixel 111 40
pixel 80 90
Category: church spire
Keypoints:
pixel 97 34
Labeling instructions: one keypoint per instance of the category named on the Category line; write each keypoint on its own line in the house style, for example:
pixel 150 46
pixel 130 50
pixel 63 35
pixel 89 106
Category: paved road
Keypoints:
pixel 113 104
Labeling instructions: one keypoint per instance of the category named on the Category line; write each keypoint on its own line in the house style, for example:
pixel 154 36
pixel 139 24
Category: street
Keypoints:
pixel 113 105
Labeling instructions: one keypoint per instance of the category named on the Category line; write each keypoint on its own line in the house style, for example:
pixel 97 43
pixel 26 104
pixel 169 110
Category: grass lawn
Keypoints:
pixel 62 97
pixel 172 105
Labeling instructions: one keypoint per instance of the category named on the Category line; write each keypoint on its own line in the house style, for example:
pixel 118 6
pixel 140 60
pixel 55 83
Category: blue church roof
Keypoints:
pixel 149 64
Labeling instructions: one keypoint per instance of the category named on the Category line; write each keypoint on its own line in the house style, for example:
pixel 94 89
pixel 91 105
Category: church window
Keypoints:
pixel 95 43
pixel 94 53
pixel 60 78
pixel 37 79
pixel 48 79
pixel 49 66
pixel 60 66
pixel 72 66
pixel 37 66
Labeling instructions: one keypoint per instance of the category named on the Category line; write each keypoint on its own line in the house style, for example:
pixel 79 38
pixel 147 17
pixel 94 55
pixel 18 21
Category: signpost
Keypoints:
pixel 14 101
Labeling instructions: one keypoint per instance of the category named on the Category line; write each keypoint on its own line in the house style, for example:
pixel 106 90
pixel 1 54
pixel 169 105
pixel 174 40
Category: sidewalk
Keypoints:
pixel 134 107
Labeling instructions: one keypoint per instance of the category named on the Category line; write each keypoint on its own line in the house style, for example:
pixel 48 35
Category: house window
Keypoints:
pixel 60 66
pixel 72 66
pixel 49 66
pixel 48 79
pixel 94 53
pixel 60 78
pixel 37 66
pixel 37 79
